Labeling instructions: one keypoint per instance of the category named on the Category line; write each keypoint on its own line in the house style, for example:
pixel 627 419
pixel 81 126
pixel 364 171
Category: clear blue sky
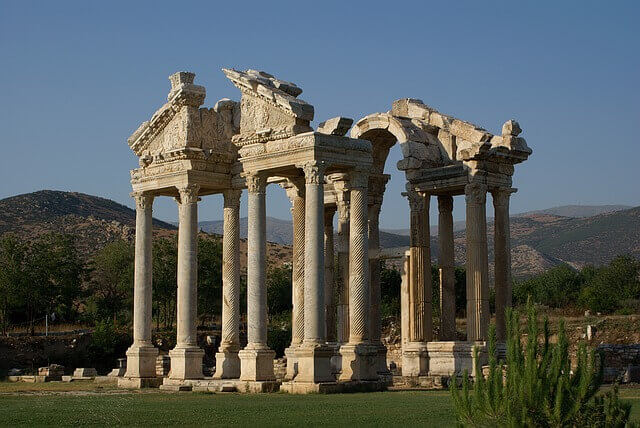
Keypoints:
pixel 79 77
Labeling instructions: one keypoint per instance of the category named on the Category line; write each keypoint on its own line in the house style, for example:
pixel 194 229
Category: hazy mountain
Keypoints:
pixel 278 231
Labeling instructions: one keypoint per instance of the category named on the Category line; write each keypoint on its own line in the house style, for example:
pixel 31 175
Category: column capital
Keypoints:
pixel 256 183
pixel 294 187
pixel 144 200
pixel 416 200
pixel 501 196
pixel 313 172
pixel 188 194
pixel 475 193
pixel 445 203
pixel 232 198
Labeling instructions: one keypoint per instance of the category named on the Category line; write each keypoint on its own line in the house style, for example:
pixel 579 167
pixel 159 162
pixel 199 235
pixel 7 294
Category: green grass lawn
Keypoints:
pixel 32 405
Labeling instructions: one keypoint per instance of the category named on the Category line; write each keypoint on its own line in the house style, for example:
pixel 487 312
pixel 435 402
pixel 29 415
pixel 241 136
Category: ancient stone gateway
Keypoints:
pixel 188 152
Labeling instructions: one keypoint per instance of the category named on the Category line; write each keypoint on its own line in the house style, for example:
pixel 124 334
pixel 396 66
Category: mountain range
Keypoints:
pixel 573 234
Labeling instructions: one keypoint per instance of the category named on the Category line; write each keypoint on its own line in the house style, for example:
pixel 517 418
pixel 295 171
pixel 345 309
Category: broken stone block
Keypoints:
pixel 511 127
pixel 163 365
pixel 85 372
pixel 591 332
pixel 631 375
pixel 336 126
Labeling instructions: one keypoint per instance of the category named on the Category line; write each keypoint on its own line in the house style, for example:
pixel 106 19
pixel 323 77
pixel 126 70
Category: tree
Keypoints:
pixel 608 287
pixel 12 276
pixel 536 387
pixel 279 290
pixel 390 283
pixel 165 273
pixel 209 278
pixel 557 287
pixel 111 283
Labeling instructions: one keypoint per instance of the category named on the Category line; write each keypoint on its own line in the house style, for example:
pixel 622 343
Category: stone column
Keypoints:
pixel 502 254
pixel 447 269
pixel 376 294
pixel 342 201
pixel 414 355
pixel 141 356
pixel 314 356
pixel 227 360
pixel 256 359
pixel 358 356
pixel 186 357
pixel 295 192
pixel 329 295
pixel 477 263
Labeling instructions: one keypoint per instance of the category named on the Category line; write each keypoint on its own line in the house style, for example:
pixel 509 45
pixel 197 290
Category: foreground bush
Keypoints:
pixel 537 387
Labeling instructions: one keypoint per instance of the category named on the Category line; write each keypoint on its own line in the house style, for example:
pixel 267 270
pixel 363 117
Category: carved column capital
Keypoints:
pixel 501 196
pixel 475 193
pixel 294 187
pixel 256 183
pixel 143 200
pixel 188 194
pixel 232 198
pixel 313 172
pixel 416 201
pixel 445 204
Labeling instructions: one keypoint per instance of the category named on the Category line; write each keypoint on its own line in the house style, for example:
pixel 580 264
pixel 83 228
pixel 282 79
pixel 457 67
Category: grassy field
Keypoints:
pixel 78 404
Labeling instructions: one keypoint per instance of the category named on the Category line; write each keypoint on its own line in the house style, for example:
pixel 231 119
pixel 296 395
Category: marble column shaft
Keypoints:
pixel 329 294
pixel 231 271
pixel 359 286
pixel 314 311
pixel 256 264
pixel 477 263
pixel 298 214
pixel 342 332
pixel 502 254
pixel 447 269
pixel 421 324
pixel 142 290
pixel 374 274
pixel 187 312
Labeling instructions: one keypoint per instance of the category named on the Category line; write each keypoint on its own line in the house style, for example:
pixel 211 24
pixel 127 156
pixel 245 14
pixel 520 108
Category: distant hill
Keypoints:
pixel 278 231
pixel 95 221
pixel 575 211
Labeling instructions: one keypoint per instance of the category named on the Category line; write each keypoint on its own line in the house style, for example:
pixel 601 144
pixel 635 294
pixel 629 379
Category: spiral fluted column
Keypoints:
pixel 447 269
pixel 502 254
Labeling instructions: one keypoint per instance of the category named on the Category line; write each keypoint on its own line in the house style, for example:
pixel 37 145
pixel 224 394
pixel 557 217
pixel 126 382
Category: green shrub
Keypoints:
pixel 108 343
pixel 537 388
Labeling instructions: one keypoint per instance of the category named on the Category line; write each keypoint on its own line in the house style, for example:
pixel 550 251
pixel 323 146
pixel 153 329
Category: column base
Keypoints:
pixel 292 362
pixel 186 363
pixel 359 362
pixel 453 358
pixel 314 363
pixel 415 359
pixel 227 364
pixel 139 382
pixel 256 364
pixel 141 361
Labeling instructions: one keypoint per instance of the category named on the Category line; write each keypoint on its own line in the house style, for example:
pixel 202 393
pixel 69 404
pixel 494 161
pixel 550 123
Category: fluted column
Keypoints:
pixel 447 269
pixel 256 358
pixel 141 355
pixel 414 353
pixel 477 263
pixel 329 295
pixel 502 254
pixel 421 287
pixel 342 272
pixel 186 357
pixel 227 360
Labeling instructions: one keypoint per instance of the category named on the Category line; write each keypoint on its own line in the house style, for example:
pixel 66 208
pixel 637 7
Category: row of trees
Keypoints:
pixel 611 288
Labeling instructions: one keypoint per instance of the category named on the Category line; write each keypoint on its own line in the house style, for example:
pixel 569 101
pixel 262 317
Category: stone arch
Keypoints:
pixel 419 148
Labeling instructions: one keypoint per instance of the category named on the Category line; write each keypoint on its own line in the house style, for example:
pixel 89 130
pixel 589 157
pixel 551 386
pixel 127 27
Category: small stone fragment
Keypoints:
pixel 336 126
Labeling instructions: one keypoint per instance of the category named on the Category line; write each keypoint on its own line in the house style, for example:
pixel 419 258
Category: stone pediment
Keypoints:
pixel 269 109
pixel 181 124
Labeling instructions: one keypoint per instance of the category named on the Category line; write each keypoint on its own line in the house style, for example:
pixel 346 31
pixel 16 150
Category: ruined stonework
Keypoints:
pixel 187 152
